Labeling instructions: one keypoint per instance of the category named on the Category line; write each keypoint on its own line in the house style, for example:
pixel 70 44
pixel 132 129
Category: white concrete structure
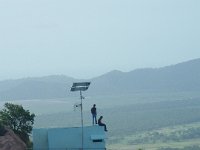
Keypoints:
pixel 69 138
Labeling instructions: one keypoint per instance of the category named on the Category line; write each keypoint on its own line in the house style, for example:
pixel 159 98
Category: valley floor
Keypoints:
pixel 180 137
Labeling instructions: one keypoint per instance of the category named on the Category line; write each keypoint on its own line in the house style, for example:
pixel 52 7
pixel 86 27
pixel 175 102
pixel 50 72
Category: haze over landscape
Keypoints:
pixel 142 58
pixel 182 77
pixel 84 39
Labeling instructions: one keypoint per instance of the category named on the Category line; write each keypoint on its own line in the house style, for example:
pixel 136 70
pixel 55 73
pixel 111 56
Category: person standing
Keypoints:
pixel 102 124
pixel 94 114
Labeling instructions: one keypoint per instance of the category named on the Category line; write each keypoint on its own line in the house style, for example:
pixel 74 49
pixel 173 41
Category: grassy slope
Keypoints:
pixel 124 143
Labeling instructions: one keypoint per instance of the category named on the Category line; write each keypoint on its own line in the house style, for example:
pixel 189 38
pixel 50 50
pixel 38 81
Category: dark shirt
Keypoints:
pixel 99 121
pixel 93 110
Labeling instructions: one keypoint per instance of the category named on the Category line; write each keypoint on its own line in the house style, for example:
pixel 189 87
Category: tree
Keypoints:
pixel 18 119
pixel 2 130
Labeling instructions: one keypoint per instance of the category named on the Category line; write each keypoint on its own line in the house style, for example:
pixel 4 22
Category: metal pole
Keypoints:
pixel 81 117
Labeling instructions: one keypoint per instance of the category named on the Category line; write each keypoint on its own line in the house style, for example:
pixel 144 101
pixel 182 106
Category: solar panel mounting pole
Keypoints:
pixel 81 118
pixel 81 86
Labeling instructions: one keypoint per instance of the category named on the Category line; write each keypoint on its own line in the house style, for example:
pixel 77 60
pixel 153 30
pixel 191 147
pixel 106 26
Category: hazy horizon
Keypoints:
pixel 96 75
pixel 85 39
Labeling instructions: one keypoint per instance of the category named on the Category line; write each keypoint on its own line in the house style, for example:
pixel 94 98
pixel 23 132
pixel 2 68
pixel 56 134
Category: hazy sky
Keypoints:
pixel 87 38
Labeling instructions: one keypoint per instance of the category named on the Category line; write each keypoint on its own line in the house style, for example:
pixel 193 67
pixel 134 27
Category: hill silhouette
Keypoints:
pixel 180 77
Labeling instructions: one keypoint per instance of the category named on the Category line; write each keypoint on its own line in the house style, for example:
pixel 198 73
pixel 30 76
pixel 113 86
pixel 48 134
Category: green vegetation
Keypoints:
pixel 179 137
pixel 150 126
pixel 195 147
pixel 18 119
pixel 2 129
pixel 141 120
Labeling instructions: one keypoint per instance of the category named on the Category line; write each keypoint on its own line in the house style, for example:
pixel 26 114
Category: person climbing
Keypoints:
pixel 102 124
pixel 94 114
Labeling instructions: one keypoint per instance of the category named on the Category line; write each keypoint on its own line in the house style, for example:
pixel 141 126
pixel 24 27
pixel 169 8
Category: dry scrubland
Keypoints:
pixel 160 121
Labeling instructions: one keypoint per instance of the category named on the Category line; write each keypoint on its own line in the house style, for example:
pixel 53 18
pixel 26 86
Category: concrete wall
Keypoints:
pixel 40 140
pixel 69 138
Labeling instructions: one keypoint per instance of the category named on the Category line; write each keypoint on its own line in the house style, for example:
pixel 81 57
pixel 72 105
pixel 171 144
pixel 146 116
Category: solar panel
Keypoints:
pixel 80 86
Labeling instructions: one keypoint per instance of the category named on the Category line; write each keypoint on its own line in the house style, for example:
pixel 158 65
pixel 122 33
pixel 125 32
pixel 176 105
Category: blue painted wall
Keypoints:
pixel 69 138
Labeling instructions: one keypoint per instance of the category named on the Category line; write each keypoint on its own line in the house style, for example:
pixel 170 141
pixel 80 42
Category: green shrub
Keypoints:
pixel 2 129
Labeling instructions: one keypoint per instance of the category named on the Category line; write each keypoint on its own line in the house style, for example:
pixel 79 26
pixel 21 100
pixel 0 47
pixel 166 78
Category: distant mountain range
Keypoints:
pixel 180 77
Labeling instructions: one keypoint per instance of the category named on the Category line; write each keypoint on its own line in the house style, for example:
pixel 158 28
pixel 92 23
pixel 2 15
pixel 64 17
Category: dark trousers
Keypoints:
pixel 102 124
pixel 94 118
